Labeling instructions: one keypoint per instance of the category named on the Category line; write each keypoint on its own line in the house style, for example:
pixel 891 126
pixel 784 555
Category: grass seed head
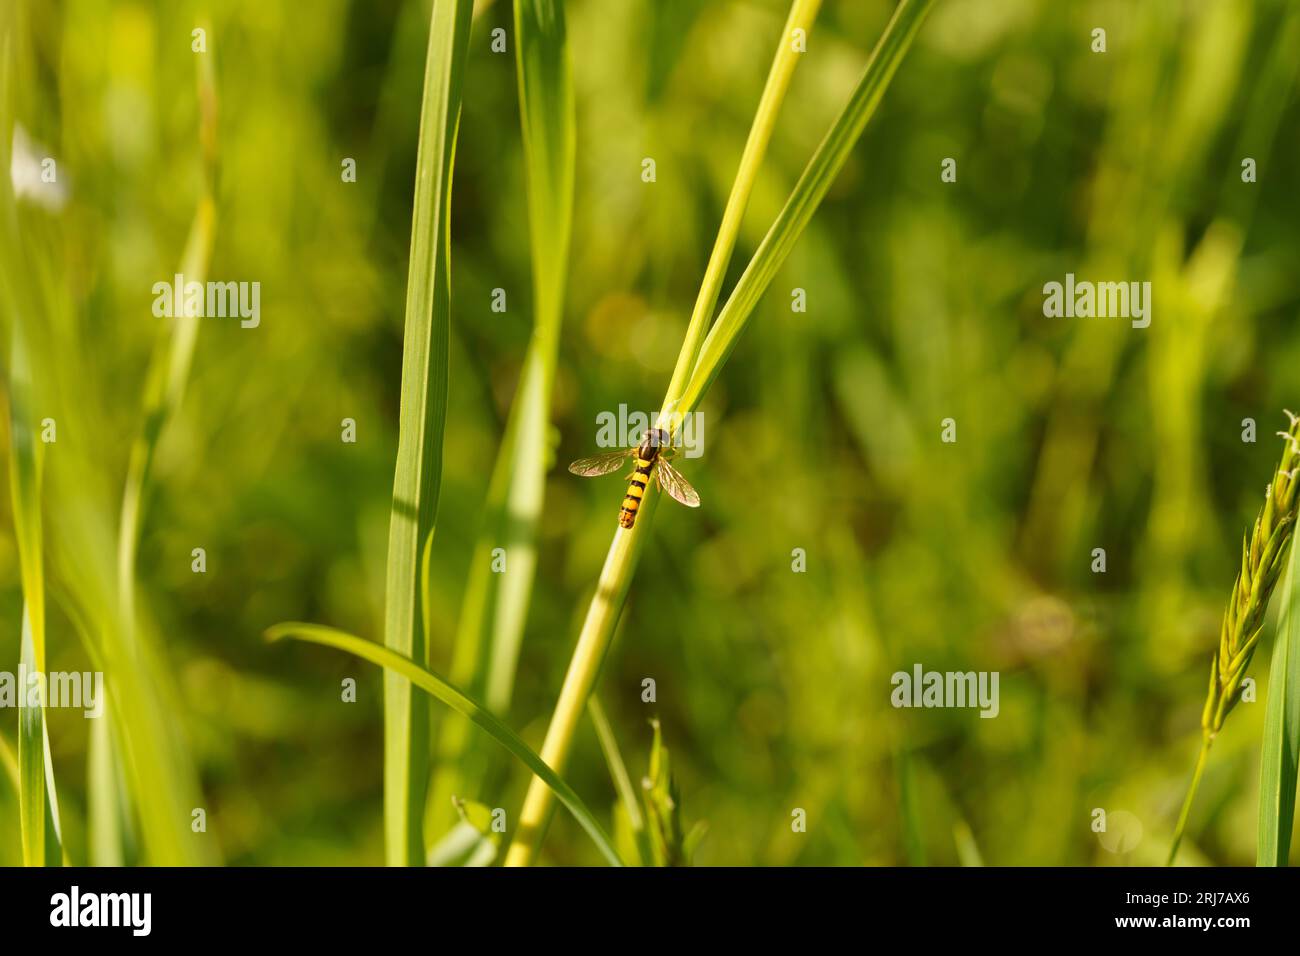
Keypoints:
pixel 1262 557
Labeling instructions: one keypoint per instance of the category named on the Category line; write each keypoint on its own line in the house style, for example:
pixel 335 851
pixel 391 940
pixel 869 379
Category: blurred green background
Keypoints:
pixel 823 433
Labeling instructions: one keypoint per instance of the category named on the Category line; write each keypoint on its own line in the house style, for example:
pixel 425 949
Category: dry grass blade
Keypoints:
pixel 1263 556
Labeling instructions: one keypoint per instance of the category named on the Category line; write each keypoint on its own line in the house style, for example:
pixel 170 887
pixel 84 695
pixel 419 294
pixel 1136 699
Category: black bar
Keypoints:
pixel 335 906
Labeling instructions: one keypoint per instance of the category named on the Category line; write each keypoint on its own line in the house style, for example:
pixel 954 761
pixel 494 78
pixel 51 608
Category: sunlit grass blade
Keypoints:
pixel 495 608
pixel 437 687
pixel 418 474
pixel 808 193
pixel 25 493
pixel 31 762
pixel 802 15
pixel 1280 754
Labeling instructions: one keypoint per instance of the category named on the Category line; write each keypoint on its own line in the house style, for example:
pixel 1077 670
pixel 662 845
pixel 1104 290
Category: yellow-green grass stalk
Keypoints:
pixel 495 607
pixel 1263 555
pixel 418 474
pixel 620 562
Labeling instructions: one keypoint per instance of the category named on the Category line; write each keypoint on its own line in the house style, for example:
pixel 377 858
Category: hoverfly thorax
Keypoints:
pixel 653 442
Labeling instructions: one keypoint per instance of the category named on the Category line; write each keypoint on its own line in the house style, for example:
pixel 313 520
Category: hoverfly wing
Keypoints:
pixel 598 465
pixel 671 481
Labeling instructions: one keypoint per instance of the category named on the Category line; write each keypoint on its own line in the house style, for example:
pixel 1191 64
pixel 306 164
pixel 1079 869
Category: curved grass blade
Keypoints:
pixel 495 608
pixel 418 475
pixel 434 685
pixel 1280 750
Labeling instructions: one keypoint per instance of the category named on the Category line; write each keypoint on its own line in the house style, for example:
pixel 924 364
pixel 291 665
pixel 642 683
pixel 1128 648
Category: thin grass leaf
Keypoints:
pixel 495 607
pixel 808 193
pixel 627 794
pixel 1280 750
pixel 437 687
pixel 42 837
pixel 24 485
pixel 418 474
pixel 802 15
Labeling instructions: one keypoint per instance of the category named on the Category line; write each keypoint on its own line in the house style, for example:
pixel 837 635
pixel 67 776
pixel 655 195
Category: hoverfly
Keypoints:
pixel 652 457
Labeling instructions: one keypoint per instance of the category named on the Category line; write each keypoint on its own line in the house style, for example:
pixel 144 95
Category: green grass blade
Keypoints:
pixel 461 703
pixel 495 608
pixel 1280 753
pixel 420 430
pixel 802 15
pixel 24 487
pixel 31 762
pixel 808 193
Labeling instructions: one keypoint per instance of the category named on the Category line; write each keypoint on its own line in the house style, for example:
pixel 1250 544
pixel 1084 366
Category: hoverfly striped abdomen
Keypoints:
pixel 651 457
pixel 647 454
